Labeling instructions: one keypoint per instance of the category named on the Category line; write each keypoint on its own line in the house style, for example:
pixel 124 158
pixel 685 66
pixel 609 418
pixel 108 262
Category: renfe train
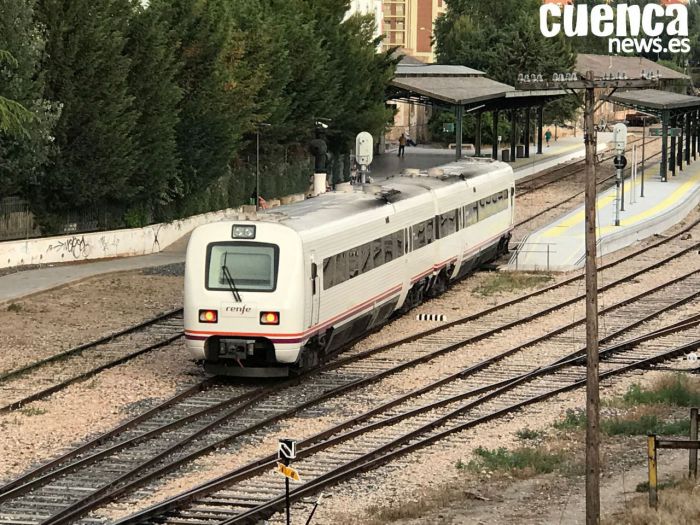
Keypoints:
pixel 274 293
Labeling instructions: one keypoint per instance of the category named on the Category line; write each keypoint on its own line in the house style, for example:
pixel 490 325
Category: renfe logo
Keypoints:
pixel 625 21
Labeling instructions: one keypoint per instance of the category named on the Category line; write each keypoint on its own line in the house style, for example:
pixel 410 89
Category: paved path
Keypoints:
pixel 28 282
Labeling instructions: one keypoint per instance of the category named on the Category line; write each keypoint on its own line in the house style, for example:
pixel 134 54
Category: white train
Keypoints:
pixel 276 292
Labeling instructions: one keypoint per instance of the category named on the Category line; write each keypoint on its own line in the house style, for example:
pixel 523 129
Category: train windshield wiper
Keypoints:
pixel 231 283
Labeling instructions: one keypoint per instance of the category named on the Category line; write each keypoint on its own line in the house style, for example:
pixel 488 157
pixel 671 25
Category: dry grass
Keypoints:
pixel 501 282
pixel 425 504
pixel 679 505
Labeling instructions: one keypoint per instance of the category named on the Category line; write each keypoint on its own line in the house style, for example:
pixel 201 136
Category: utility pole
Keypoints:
pixel 592 393
pixel 571 83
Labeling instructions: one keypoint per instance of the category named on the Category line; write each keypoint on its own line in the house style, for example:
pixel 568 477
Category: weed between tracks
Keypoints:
pixel 522 462
pixel 500 282
pixel 644 411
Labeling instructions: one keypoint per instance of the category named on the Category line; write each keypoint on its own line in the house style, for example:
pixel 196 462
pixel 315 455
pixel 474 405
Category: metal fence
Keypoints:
pixel 16 220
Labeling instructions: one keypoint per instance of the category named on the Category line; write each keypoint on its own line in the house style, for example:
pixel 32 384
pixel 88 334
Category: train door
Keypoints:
pixel 315 291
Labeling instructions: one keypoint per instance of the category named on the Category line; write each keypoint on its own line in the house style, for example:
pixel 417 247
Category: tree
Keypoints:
pixel 218 88
pixel 154 68
pixel 473 33
pixel 87 71
pixel 26 118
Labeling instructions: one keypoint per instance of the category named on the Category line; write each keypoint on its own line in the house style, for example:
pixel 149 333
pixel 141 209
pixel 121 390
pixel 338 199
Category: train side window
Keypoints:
pixel 472 214
pixel 328 273
pixel 400 243
pixel 314 274
pixel 448 223
pixel 388 247
pixel 377 252
pixel 429 231
pixel 341 267
pixel 366 257
pixel 419 239
pixel 354 262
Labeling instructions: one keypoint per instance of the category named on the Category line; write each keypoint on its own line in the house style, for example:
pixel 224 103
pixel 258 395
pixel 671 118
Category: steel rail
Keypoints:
pixel 357 466
pixel 79 350
pixel 403 366
pixel 577 166
pixel 568 199
pixel 44 468
pixel 91 501
pixel 312 445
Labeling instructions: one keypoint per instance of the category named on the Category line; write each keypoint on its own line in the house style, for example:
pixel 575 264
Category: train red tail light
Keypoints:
pixel 208 316
pixel 269 318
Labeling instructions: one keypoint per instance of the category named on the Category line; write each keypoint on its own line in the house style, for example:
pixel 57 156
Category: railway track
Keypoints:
pixel 408 423
pixel 47 376
pixel 600 184
pixel 570 169
pixel 64 490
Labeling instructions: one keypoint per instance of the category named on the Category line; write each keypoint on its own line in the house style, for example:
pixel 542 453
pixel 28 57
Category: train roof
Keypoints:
pixel 337 206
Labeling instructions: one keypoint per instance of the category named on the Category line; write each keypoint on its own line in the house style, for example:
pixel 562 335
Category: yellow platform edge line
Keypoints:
pixel 578 218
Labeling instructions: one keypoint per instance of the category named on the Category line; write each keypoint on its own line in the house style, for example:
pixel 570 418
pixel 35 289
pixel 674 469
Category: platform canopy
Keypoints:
pixel 449 85
pixel 680 120
pixel 656 101
pixel 468 90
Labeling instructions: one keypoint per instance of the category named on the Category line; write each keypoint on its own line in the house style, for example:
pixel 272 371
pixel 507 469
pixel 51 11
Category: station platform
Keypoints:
pixel 564 150
pixel 560 246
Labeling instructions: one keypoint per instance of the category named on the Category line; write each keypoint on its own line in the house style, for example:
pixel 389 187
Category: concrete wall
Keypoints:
pixel 100 245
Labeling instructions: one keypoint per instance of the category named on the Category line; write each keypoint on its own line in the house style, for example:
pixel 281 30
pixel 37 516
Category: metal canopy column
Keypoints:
pixel 694 140
pixel 674 153
pixel 680 126
pixel 697 130
pixel 494 139
pixel 477 139
pixel 527 133
pixel 688 117
pixel 540 125
pixel 458 131
pixel 513 130
pixel 663 170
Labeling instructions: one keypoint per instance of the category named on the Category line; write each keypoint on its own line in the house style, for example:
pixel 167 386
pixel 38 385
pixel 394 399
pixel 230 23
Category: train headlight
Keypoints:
pixel 269 318
pixel 243 231
pixel 208 316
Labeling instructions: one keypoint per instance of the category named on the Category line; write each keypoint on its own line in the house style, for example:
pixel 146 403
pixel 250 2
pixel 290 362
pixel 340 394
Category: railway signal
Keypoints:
pixel 286 452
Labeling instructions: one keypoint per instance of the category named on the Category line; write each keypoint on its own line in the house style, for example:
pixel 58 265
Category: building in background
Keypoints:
pixel 408 25
pixel 368 7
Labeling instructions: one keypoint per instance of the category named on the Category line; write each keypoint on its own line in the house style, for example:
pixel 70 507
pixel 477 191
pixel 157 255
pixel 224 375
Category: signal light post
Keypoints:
pixel 589 84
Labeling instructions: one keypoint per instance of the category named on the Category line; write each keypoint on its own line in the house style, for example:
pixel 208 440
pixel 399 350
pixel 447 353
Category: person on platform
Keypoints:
pixel 548 136
pixel 409 140
pixel 402 145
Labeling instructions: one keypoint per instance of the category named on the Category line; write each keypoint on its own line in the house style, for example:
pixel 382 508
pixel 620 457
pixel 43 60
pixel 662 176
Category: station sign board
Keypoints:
pixel 659 132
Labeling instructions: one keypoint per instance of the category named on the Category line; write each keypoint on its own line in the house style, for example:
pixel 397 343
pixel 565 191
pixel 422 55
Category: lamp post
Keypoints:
pixel 258 128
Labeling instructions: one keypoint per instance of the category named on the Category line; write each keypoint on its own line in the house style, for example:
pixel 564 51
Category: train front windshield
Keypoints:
pixel 252 267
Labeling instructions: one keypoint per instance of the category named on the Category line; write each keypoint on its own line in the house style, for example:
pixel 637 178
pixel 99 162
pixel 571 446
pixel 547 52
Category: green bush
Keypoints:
pixel 526 458
pixel 573 419
pixel 647 424
pixel 675 390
